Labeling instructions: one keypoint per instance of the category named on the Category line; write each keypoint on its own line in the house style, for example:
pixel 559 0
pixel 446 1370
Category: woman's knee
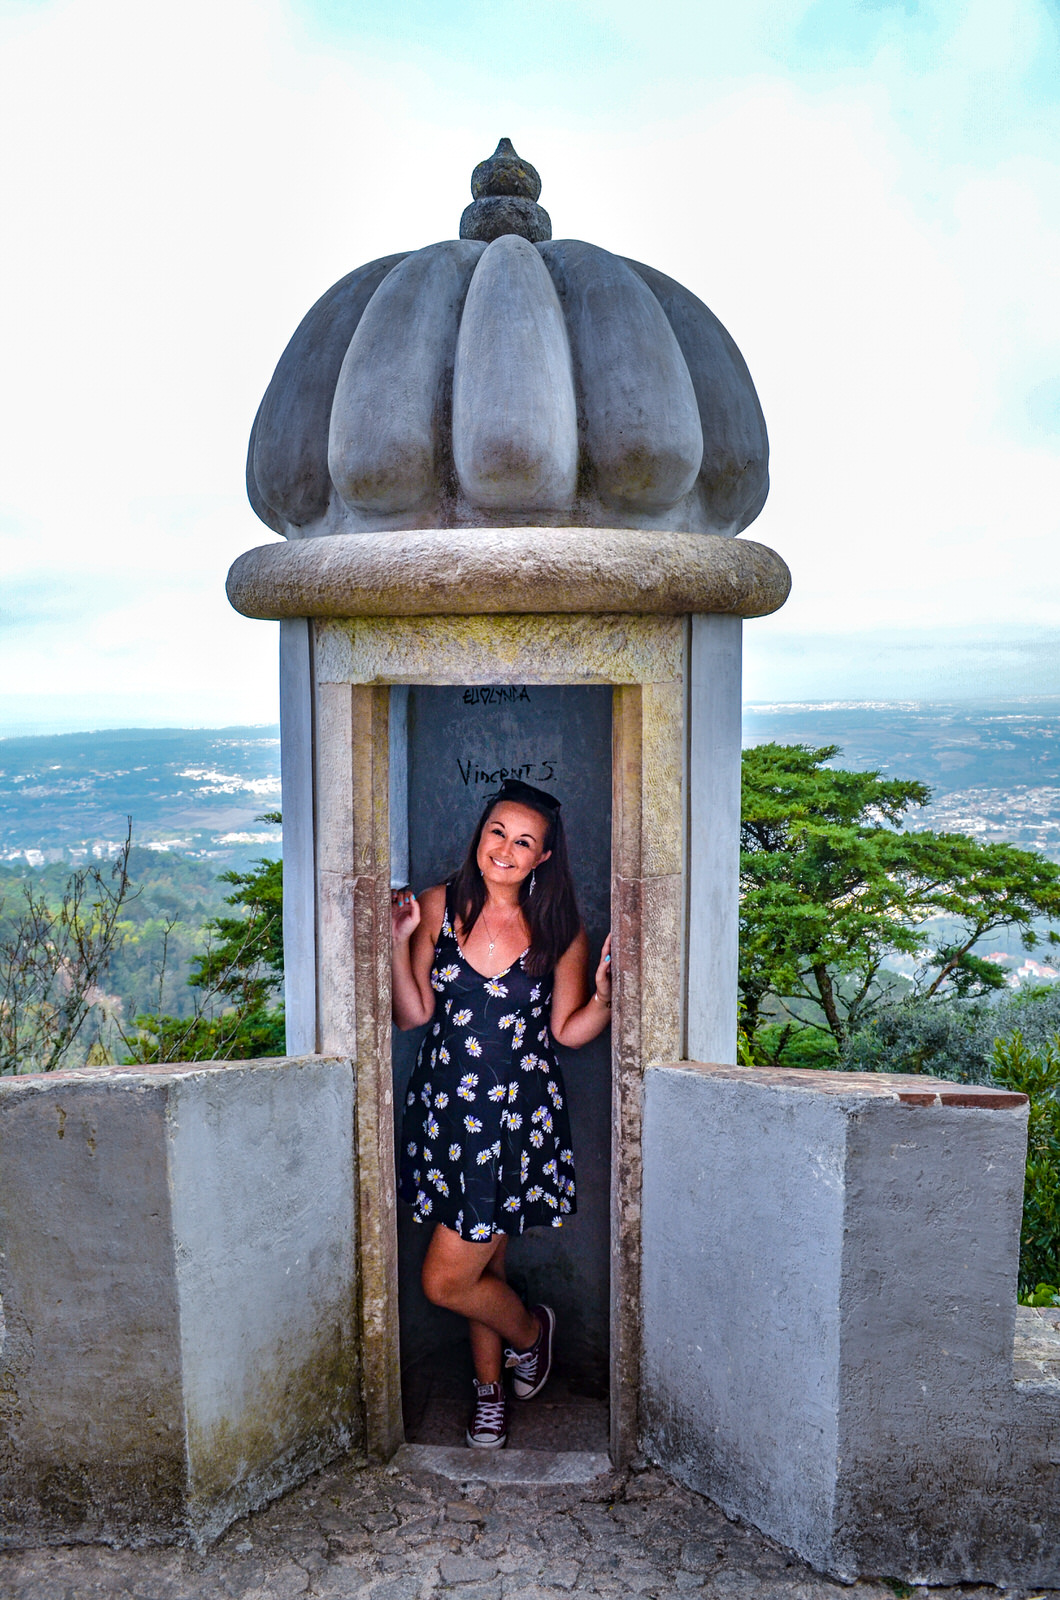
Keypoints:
pixel 441 1285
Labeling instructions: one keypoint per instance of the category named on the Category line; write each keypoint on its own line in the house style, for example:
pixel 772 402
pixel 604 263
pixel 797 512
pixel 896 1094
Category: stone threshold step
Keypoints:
pixel 462 1464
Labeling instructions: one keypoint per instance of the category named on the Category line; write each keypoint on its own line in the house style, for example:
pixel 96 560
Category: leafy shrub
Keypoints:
pixel 950 1038
pixel 1036 1073
pixel 939 1037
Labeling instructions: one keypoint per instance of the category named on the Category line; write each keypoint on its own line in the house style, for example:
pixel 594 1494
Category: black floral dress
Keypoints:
pixel 486 1145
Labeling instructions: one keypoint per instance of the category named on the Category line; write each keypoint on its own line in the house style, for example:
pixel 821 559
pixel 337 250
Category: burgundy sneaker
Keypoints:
pixel 487 1429
pixel 532 1367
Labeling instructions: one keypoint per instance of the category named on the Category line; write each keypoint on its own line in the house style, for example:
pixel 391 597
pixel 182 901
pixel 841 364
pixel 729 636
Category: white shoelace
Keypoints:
pixel 524 1362
pixel 489 1412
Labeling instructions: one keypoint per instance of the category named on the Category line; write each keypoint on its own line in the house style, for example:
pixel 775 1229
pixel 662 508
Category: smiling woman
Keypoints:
pixel 497 961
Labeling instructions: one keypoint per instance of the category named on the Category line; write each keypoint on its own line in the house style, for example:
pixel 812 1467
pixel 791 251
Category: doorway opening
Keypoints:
pixel 450 748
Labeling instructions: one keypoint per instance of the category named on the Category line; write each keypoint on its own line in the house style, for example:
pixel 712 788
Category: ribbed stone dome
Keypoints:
pixel 507 378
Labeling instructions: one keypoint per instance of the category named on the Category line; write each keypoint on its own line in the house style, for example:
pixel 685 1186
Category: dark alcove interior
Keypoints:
pixel 450 749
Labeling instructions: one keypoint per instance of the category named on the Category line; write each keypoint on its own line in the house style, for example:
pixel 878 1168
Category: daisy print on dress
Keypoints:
pixel 481 1230
pixel 471 1130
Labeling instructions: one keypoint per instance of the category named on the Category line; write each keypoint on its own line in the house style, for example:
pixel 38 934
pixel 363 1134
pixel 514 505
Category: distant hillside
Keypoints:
pixel 195 790
pixel 994 767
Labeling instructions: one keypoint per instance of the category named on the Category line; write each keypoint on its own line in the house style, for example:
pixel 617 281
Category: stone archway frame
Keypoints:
pixel 645 660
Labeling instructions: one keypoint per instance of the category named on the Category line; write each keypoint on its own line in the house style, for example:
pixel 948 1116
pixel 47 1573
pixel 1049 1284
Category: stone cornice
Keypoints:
pixel 530 570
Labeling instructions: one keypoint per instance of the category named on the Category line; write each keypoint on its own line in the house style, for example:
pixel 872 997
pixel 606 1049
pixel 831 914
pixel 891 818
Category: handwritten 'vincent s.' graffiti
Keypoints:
pixel 529 771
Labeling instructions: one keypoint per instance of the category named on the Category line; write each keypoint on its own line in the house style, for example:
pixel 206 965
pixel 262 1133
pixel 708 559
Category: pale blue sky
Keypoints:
pixel 868 195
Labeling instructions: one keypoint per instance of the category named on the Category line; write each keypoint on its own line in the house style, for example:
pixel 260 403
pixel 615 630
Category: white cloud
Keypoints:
pixel 879 227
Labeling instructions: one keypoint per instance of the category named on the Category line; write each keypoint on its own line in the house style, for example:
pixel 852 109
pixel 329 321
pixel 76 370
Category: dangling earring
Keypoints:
pixel 533 881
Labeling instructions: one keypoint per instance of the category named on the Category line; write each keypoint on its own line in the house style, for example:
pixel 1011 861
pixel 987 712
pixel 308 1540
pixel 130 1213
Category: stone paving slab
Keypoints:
pixel 359 1532
pixel 526 1467
pixel 1036 1349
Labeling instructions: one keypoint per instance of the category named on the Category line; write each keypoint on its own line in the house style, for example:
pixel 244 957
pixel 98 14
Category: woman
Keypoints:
pixel 497 960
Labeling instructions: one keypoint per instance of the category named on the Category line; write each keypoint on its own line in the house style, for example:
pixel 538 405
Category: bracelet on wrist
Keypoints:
pixel 596 996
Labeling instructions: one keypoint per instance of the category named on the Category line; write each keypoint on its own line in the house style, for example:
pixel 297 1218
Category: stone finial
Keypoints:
pixel 505 190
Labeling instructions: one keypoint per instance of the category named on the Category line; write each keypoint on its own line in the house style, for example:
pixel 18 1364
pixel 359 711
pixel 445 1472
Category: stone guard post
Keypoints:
pixel 506 460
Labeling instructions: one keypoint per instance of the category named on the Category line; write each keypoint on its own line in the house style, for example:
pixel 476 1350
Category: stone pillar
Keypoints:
pixel 829 1295
pixel 299 813
pixel 353 981
pixel 714 743
pixel 179 1287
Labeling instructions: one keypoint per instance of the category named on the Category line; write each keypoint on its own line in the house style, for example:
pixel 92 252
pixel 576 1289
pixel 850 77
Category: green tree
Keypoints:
pixel 236 980
pixel 832 884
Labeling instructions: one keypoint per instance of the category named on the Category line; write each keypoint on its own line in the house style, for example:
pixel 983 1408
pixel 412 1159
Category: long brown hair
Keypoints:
pixel 551 911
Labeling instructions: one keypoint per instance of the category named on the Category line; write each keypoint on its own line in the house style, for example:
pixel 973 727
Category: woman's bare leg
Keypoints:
pixel 486 1346
pixel 456 1275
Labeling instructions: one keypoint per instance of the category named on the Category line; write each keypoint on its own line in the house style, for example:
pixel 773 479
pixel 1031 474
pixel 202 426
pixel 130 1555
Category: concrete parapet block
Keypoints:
pixel 829 1292
pixel 179 1295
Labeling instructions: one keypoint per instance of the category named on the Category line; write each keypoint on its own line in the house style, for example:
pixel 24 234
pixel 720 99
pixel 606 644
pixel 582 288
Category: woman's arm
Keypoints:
pixel 578 1013
pixel 415 926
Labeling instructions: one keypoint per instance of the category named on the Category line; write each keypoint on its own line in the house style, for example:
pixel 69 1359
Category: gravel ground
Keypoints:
pixel 379 1534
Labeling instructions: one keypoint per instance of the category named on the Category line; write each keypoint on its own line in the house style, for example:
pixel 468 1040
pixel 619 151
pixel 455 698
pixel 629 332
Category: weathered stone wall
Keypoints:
pixel 829 1289
pixel 178 1280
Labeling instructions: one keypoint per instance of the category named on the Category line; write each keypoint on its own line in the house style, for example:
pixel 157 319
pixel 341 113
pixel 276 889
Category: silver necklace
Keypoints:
pixel 486 925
